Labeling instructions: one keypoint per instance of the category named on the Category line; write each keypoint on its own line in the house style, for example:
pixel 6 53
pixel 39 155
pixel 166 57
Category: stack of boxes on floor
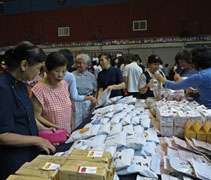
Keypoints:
pixel 184 118
pixel 81 164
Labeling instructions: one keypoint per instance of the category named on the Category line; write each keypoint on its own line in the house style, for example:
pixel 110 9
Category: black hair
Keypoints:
pixel 107 56
pixel 136 58
pixel 54 60
pixel 24 51
pixel 201 57
pixel 154 59
pixel 69 56
pixel 183 54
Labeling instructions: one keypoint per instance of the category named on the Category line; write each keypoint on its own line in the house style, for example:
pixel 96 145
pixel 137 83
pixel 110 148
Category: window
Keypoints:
pixel 140 25
pixel 63 31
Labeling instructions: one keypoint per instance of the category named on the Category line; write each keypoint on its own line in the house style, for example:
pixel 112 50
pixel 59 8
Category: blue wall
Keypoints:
pixel 28 6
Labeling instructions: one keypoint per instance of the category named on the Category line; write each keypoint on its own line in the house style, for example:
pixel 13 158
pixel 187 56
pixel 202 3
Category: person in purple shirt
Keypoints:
pixel 201 58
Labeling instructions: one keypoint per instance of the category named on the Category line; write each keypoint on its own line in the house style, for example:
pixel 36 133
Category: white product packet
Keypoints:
pixel 111 149
pixel 145 121
pixel 126 120
pixel 135 120
pixel 105 120
pixel 202 170
pixel 141 165
pixel 117 140
pixel 119 107
pixel 155 164
pixel 76 145
pixel 88 131
pixel 148 149
pixel 104 110
pixel 129 108
pixel 135 142
pixel 100 147
pixel 138 130
pixel 95 141
pixel 124 159
pixel 115 129
pixel 128 129
pixel 168 177
pixel 104 97
pixel 151 135
pixel 115 99
pixel 117 117
pixel 128 100
pixel 116 177
pixel 105 129
pixel 180 165
pixel 109 115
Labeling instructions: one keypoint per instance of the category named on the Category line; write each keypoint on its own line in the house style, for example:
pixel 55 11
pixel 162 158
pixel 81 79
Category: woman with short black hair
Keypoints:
pixel 19 141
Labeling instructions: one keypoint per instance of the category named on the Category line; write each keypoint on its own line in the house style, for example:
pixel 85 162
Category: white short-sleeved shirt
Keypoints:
pixel 132 73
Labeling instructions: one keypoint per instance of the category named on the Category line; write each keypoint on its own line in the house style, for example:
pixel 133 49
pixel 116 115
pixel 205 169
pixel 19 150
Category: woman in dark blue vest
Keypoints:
pixel 146 79
pixel 19 141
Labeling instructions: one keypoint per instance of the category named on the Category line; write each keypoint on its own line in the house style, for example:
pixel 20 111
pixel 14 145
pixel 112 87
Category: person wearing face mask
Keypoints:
pixel 19 141
pixel 109 78
pixel 146 79
pixel 50 96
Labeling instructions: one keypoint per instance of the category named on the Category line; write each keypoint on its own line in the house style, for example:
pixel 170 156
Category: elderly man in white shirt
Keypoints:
pixel 131 75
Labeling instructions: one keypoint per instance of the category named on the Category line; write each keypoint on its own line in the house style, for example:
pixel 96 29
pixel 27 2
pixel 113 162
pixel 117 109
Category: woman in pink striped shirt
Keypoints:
pixel 50 96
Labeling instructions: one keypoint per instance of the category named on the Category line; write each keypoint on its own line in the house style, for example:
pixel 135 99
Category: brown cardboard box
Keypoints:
pixel 15 177
pixel 34 170
pixel 81 170
pixel 94 156
pixel 48 158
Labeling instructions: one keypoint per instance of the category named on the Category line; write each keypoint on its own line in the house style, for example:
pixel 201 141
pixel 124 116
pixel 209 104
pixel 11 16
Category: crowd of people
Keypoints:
pixel 57 92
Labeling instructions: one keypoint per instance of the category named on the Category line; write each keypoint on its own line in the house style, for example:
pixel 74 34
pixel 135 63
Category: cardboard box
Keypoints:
pixel 15 177
pixel 80 170
pixel 34 170
pixel 48 158
pixel 94 156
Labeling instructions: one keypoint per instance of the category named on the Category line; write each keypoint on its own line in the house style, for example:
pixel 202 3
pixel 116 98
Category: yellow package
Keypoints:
pixel 189 130
pixel 207 129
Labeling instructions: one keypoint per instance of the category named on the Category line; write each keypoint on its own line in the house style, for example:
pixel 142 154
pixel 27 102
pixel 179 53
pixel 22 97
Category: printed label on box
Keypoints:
pixel 87 170
pixel 95 154
pixel 50 166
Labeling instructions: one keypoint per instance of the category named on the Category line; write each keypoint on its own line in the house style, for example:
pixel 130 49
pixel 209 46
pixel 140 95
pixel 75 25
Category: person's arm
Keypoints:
pixel 142 85
pixel 99 93
pixel 116 86
pixel 72 88
pixel 17 140
pixel 38 114
pixel 191 81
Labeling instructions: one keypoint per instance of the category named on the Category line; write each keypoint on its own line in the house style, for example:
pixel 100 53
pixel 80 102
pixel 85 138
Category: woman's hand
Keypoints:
pixel 45 145
pixel 110 88
pixel 159 77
